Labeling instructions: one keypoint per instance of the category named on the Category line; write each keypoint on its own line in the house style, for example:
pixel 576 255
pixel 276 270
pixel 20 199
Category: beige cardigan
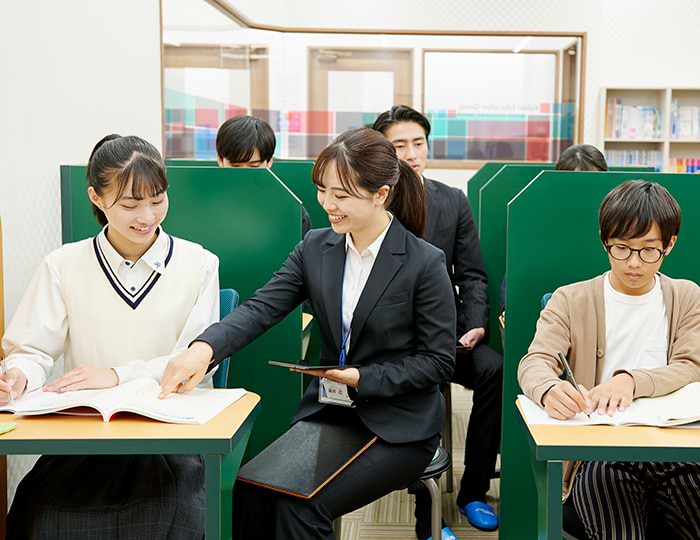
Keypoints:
pixel 574 322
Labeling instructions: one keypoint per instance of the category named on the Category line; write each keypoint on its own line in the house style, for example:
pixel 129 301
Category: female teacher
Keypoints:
pixel 384 305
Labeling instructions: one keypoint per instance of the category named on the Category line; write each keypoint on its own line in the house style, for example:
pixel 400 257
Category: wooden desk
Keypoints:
pixel 550 445
pixel 222 440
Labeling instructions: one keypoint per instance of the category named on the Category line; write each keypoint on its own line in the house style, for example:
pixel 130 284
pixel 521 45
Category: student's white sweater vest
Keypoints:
pixel 100 313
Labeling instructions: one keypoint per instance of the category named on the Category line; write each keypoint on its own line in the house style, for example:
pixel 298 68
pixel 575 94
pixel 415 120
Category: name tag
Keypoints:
pixel 334 393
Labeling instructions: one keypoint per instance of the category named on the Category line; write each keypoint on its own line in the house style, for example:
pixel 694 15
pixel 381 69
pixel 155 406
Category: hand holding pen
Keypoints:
pixel 566 399
pixel 7 384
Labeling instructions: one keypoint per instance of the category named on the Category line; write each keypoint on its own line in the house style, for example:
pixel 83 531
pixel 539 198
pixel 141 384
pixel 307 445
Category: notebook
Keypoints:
pixel 680 408
pixel 139 396
pixel 307 457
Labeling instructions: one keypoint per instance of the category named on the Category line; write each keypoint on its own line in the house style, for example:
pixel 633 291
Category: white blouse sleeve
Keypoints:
pixel 36 336
pixel 204 313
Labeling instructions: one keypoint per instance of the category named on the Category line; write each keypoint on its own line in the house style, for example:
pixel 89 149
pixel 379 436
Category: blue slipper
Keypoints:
pixel 447 534
pixel 480 515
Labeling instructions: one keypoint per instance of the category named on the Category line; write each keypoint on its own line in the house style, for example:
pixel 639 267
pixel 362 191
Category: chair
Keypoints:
pixel 228 301
pixel 440 463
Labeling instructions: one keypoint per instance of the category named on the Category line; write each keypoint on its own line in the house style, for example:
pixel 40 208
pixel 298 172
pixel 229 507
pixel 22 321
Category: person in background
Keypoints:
pixel 629 333
pixel 117 307
pixel 450 226
pixel 249 142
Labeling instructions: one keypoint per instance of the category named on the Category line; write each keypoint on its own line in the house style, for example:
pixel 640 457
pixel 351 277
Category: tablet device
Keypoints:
pixel 304 366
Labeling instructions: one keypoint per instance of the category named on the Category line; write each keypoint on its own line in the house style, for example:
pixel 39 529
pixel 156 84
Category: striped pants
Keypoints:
pixel 614 498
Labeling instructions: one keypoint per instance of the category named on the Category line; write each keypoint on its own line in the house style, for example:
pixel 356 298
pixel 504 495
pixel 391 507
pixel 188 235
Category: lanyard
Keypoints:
pixel 346 335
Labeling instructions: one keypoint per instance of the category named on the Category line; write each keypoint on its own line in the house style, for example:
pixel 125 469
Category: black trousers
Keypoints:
pixel 614 499
pixel 481 370
pixel 381 469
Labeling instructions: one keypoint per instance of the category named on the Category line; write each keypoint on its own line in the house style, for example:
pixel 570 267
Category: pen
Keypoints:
pixel 4 372
pixel 570 376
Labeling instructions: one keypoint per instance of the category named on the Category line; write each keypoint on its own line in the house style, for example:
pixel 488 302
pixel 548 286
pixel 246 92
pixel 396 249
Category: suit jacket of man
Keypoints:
pixel 450 226
pixel 403 328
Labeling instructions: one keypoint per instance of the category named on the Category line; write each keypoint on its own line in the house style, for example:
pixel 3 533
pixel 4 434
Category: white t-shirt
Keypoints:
pixel 636 330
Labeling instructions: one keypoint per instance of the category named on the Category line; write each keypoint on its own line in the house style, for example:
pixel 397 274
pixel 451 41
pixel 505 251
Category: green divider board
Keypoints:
pixel 494 197
pixel 251 221
pixel 297 175
pixel 552 241
pixel 482 176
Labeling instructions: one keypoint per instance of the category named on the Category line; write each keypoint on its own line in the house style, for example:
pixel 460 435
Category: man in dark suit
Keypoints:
pixel 450 226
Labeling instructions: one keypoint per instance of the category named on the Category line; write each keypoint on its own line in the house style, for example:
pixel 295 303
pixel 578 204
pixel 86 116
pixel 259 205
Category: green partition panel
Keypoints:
pixel 553 240
pixel 482 176
pixel 251 221
pixel 297 175
pixel 494 197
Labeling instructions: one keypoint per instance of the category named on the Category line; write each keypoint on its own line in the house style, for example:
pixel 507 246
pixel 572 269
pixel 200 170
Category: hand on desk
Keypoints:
pixel 472 338
pixel 562 401
pixel 615 395
pixel 186 370
pixel 84 378
pixel 14 381
pixel 349 376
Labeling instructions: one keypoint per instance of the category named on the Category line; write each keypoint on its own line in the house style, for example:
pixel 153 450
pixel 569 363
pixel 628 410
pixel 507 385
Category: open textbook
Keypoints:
pixel 679 408
pixel 139 396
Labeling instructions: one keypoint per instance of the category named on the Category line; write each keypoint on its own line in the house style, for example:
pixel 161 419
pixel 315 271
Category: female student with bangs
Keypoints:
pixel 117 306
pixel 382 296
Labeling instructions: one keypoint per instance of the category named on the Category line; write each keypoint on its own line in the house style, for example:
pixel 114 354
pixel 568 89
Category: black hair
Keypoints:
pixel 400 113
pixel 115 161
pixel 238 138
pixel 364 158
pixel 582 157
pixel 631 209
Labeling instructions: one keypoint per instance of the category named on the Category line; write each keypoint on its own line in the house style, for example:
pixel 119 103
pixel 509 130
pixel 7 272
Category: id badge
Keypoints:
pixel 334 393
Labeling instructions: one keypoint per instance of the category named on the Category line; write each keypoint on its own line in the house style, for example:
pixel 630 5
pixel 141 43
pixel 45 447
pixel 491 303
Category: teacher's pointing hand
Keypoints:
pixel 186 370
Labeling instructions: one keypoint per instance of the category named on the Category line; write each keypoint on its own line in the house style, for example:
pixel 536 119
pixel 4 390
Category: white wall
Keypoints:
pixel 70 72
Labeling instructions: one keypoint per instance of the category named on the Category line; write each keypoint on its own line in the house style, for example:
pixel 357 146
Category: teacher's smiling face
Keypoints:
pixel 349 212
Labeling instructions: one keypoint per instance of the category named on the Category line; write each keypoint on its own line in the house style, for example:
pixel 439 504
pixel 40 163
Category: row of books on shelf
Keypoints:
pixel 632 121
pixel 685 121
pixel 685 165
pixel 623 158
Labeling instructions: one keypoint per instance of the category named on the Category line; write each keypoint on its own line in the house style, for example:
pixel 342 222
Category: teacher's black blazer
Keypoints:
pixel 403 328
pixel 450 226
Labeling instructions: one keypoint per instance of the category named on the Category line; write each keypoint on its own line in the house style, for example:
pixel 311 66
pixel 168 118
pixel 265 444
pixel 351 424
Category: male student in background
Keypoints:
pixel 450 226
pixel 629 333
pixel 246 141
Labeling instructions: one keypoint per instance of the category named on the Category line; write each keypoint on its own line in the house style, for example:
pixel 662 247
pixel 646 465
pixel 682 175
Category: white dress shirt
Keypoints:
pixel 358 267
pixel 98 309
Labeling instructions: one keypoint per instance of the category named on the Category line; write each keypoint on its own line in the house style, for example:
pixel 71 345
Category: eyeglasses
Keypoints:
pixel 621 252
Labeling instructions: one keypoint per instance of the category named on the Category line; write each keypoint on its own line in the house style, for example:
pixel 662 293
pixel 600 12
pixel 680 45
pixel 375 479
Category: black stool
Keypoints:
pixel 440 463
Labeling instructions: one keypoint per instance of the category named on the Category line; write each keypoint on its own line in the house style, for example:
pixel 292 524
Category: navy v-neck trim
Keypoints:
pixel 133 301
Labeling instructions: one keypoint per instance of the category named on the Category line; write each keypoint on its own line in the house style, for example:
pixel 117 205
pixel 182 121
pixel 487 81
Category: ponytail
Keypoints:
pixel 407 201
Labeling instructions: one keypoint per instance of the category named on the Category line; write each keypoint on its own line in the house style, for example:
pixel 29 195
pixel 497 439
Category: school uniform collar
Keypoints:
pixel 156 257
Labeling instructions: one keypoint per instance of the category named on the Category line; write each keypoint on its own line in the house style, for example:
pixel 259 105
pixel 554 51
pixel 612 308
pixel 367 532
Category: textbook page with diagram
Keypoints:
pixel 679 408
pixel 139 396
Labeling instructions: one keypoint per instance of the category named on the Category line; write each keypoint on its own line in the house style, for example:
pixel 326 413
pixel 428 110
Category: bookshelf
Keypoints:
pixel 651 126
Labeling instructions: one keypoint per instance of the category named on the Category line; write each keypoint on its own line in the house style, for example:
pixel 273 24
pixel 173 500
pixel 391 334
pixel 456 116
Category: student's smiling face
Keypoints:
pixel 133 220
pixel 634 276
pixel 410 143
pixel 347 212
